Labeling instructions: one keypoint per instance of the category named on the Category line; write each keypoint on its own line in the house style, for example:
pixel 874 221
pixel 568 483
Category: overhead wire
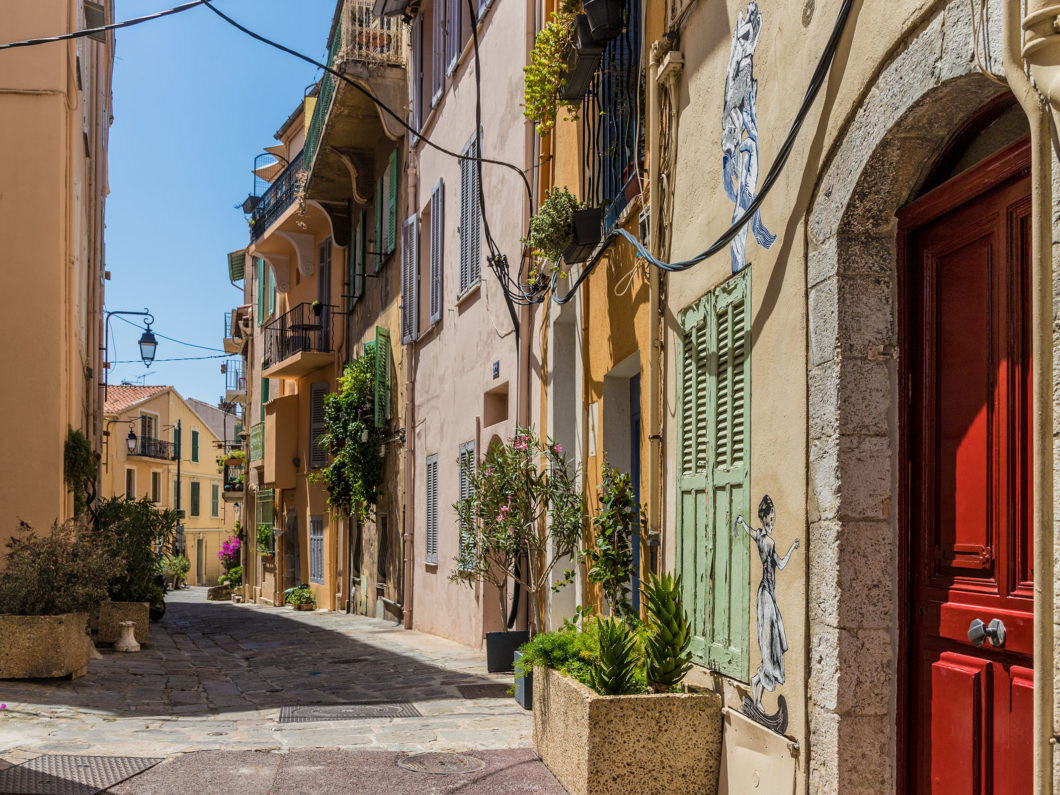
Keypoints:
pixel 171 339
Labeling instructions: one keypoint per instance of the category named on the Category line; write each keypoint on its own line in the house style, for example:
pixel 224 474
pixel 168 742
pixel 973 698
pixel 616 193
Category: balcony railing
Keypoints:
pixel 235 381
pixel 611 122
pixel 359 37
pixel 149 447
pixel 303 329
pixel 257 442
pixel 276 198
pixel 233 478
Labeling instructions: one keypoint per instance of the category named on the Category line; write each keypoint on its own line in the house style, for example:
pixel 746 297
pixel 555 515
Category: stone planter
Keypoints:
pixel 219 593
pixel 669 743
pixel 111 614
pixel 305 607
pixel 43 647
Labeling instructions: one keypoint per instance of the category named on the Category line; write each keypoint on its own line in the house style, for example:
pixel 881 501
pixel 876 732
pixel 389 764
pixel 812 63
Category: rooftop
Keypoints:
pixel 124 396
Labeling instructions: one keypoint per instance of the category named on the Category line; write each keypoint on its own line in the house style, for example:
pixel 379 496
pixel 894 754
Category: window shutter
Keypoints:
pixel 475 263
pixel 316 549
pixel 215 494
pixel 265 507
pixel 470 219
pixel 177 451
pixel 410 257
pixel 438 41
pixel 391 204
pixel 195 446
pixel 357 261
pixel 431 535
pixel 379 245
pixel 194 498
pixel 264 391
pixel 453 25
pixel 382 376
pixel 318 457
pixel 416 100
pixel 467 536
pixel 270 289
pixel 259 277
pixel 437 249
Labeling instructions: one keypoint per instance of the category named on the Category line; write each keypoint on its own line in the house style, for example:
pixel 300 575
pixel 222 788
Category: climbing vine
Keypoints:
pixel 79 465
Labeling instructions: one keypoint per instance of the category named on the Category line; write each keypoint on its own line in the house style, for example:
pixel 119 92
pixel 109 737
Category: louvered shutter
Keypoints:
pixel 391 203
pixel 316 549
pixel 270 290
pixel 453 30
pixel 437 249
pixel 380 228
pixel 318 457
pixel 359 256
pixel 195 446
pixel 194 498
pixel 431 534
pixel 382 376
pixel 264 391
pixel 259 277
pixel 410 257
pixel 467 536
pixel 438 51
pixel 215 495
pixel 416 100
pixel 470 219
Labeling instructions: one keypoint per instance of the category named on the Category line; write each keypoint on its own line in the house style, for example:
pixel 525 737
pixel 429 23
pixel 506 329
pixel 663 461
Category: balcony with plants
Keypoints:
pixel 299 341
pixel 233 475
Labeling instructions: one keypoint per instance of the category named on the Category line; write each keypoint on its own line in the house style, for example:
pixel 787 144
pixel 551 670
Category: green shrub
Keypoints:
pixel 614 670
pixel 610 558
pixel 666 655
pixel 300 595
pixel 552 229
pixel 79 468
pixel 134 532
pixel 175 567
pixel 266 539
pixel 232 578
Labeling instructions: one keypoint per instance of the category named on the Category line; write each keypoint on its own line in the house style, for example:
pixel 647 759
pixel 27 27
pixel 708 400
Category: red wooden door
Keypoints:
pixel 969 504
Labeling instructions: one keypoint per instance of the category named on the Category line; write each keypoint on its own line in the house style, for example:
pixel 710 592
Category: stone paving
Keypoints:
pixel 215 675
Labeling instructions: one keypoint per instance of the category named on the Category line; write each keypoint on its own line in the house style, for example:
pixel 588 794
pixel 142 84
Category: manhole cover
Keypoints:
pixel 441 764
pixel 376 709
pixel 56 774
pixel 499 690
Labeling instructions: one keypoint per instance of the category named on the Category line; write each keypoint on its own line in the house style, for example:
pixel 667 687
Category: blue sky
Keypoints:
pixel 194 101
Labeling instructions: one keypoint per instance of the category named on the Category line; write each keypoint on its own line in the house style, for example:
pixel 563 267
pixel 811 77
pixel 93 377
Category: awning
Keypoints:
pixel 389 8
pixel 237 263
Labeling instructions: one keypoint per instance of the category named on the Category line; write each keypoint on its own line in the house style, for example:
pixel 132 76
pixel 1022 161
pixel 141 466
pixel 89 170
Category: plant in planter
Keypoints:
pixel 610 558
pixel 174 568
pixel 301 597
pixel 545 75
pixel 234 458
pixel 522 514
pixel 606 18
pixel 232 578
pixel 266 537
pixel 317 308
pixel 48 586
pixel 563 227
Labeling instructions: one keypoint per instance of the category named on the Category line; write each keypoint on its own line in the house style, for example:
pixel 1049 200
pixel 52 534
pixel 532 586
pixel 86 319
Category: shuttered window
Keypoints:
pixel 431 531
pixel 156 487
pixel 382 376
pixel 470 219
pixel 194 498
pixel 391 204
pixel 466 460
pixel 215 499
pixel 176 492
pixel 713 474
pixel 410 258
pixel 178 447
pixel 195 446
pixel 259 278
pixel 318 457
pixel 270 289
pixel 437 249
pixel 264 391
pixel 453 33
pixel 416 99
pixel 316 549
pixel 266 507
pixel 357 259
pixel 438 51
pixel 130 484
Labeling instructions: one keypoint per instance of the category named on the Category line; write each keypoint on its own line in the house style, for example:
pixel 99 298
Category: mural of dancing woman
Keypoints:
pixel 739 134
pixel 772 639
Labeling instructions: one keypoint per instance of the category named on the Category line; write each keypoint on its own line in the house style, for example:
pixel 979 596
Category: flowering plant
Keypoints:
pixel 521 516
pixel 229 554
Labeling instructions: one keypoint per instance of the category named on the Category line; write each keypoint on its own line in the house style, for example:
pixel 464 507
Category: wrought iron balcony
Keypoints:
pixel 235 381
pixel 149 447
pixel 277 197
pixel 299 341
pixel 233 479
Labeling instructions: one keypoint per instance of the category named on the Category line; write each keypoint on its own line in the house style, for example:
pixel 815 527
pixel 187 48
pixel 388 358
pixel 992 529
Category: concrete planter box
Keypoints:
pixel 44 647
pixel 111 614
pixel 669 743
pixel 304 607
pixel 219 593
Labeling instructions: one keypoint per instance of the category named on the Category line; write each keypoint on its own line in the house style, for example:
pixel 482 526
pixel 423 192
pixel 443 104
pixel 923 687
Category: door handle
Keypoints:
pixel 979 633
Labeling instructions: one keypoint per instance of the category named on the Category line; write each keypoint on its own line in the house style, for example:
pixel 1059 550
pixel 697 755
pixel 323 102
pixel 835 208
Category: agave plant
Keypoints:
pixel 666 655
pixel 614 671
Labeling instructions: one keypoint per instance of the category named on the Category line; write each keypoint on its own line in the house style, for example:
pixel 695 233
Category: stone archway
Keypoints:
pixel 918 100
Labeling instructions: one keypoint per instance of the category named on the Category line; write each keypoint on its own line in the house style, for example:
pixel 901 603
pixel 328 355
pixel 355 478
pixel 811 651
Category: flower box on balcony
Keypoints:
pixel 588 229
pixel 581 62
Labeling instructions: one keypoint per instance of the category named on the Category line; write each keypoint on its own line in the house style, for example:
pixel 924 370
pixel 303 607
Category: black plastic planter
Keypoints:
pixel 588 228
pixel 524 686
pixel 500 649
pixel 605 18
pixel 581 62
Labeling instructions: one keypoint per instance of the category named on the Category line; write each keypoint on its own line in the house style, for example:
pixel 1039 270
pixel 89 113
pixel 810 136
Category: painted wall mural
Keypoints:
pixel 739 134
pixel 772 639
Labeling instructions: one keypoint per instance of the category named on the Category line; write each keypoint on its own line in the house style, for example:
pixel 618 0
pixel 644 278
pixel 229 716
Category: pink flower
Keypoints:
pixel 557 448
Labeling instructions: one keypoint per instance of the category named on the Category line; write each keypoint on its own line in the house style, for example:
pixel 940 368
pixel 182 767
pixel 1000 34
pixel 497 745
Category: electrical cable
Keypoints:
pixel 80 34
pixel 176 359
pixel 171 339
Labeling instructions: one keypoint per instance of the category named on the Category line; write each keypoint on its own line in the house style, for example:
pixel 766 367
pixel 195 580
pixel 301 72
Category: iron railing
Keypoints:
pixel 359 37
pixel 257 441
pixel 613 121
pixel 277 198
pixel 233 477
pixel 149 447
pixel 235 381
pixel 304 329
pixel 228 326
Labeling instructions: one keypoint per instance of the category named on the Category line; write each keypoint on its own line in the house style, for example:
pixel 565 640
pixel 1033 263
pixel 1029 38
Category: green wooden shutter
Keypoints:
pixel 195 446
pixel 270 290
pixel 176 444
pixel 713 476
pixel 392 202
pixel 382 376
pixel 259 277
pixel 380 243
pixel 194 498
pixel 215 494
pixel 356 260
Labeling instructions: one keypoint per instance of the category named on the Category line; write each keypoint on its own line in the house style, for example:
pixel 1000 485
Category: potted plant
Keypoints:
pixel 174 568
pixel 522 514
pixel 605 17
pixel 48 586
pixel 266 537
pixel 623 679
pixel 582 59
pixel 300 597
pixel 564 227
pixel 610 557
pixel 317 308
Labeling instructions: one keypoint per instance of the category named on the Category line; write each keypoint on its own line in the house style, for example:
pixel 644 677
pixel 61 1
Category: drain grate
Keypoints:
pixel 499 690
pixel 56 774
pixel 366 709
pixel 441 764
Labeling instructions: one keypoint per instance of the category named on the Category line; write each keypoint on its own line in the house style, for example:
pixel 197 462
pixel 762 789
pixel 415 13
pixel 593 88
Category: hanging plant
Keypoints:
pixel 79 465
pixel 552 229
pixel 546 74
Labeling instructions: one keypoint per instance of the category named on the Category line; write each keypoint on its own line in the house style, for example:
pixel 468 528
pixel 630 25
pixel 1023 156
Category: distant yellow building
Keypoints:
pixel 161 446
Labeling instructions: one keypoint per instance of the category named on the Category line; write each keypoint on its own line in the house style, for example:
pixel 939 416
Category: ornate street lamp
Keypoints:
pixel 130 441
pixel 148 345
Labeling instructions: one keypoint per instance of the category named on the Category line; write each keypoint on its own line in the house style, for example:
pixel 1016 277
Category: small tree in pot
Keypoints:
pixel 521 516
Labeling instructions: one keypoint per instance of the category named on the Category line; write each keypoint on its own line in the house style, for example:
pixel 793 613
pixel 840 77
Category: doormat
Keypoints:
pixel 58 774
pixel 441 763
pixel 367 709
pixel 499 690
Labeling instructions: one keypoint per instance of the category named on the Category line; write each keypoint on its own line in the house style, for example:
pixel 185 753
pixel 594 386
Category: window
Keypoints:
pixel 454 32
pixel 467 532
pixel 410 299
pixel 382 376
pixel 156 487
pixel 386 194
pixel 195 446
pixel 148 423
pixel 714 402
pixel 357 259
pixel 437 210
pixel 264 391
pixel 384 546
pixel 266 517
pixel 178 450
pixel 316 549
pixel 95 17
pixel 215 497
pixel 470 219
pixel 195 498
pixel 416 98
pixel 431 534
pixel 130 484
pixel 318 456
pixel 438 43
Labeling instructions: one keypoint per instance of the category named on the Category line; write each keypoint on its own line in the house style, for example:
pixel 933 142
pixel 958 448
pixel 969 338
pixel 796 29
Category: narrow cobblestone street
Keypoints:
pixel 215 676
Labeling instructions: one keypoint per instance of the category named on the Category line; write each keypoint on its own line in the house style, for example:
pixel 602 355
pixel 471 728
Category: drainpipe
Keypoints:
pixel 655 446
pixel 409 517
pixel 1041 45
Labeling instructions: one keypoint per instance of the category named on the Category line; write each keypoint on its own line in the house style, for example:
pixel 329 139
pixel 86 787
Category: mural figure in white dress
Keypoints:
pixel 739 134
pixel 772 639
